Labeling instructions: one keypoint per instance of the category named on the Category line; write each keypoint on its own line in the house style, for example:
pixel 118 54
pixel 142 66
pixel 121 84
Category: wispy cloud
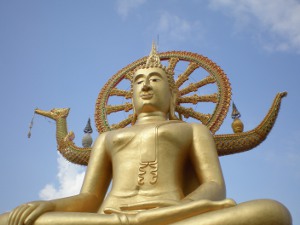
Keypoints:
pixel 125 6
pixel 70 178
pixel 276 22
pixel 174 28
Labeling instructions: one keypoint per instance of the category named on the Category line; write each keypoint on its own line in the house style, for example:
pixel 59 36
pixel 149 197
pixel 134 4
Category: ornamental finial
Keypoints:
pixel 87 139
pixel 237 125
pixel 153 58
pixel 235 113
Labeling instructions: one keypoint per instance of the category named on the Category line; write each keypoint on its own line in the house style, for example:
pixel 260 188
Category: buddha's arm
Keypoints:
pixel 206 163
pixel 95 184
pixel 99 173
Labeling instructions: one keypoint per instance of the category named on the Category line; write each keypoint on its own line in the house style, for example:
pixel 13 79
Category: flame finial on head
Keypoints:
pixel 153 58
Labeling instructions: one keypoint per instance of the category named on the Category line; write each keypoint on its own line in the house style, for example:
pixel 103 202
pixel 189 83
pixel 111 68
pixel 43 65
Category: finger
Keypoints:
pixel 149 205
pixel 39 210
pixel 137 206
pixel 229 202
pixel 225 203
pixel 112 210
pixel 26 213
pixel 16 214
pixel 12 215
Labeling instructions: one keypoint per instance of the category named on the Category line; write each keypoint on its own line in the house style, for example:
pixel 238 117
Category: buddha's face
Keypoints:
pixel 151 91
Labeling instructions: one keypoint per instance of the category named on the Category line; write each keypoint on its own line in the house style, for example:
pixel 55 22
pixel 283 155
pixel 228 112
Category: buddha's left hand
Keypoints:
pixel 27 213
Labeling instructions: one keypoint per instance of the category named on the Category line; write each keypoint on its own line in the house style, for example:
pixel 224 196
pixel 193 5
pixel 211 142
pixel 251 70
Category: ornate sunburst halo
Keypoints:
pixel 193 74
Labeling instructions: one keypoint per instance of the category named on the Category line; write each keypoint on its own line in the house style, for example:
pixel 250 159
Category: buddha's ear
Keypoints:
pixel 134 117
pixel 173 101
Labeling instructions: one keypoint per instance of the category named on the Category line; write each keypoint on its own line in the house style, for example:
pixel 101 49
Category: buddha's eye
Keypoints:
pixel 140 81
pixel 154 79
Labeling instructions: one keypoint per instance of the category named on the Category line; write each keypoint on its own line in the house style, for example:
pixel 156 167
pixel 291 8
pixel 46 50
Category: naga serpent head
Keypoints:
pixel 54 113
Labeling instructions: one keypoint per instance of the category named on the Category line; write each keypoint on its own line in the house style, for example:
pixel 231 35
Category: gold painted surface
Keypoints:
pixel 164 171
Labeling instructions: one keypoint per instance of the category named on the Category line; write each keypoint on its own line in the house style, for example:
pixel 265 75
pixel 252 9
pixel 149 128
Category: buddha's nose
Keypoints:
pixel 146 87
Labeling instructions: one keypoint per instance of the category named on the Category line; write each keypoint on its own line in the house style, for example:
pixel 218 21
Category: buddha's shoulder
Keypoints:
pixel 201 130
pixel 199 126
pixel 191 125
pixel 195 127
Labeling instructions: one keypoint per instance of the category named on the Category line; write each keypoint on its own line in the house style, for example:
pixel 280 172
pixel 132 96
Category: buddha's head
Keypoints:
pixel 153 88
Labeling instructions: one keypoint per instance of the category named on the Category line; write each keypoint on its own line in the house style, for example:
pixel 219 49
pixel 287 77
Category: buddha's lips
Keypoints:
pixel 146 95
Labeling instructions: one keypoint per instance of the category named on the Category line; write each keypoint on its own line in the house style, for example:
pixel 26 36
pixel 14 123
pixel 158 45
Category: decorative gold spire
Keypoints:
pixel 153 58
pixel 87 139
pixel 235 113
pixel 237 125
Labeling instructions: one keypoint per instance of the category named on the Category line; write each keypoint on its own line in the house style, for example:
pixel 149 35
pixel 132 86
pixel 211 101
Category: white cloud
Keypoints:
pixel 125 6
pixel 173 28
pixel 70 178
pixel 279 19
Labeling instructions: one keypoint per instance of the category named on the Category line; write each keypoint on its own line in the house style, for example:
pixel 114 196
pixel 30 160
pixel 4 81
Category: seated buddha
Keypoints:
pixel 147 164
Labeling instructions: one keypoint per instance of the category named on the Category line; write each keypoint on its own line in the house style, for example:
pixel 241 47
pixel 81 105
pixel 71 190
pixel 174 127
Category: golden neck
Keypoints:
pixel 145 118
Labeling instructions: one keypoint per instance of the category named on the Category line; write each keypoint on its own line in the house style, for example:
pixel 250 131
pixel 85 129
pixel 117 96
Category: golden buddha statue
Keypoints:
pixel 147 163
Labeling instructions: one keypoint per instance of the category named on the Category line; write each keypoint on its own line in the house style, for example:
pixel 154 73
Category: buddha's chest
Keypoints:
pixel 148 140
pixel 149 150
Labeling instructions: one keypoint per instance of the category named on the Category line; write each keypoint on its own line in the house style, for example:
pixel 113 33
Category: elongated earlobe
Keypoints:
pixel 172 115
pixel 134 117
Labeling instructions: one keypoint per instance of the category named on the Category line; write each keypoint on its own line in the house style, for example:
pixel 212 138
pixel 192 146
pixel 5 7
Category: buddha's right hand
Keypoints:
pixel 27 213
pixel 144 205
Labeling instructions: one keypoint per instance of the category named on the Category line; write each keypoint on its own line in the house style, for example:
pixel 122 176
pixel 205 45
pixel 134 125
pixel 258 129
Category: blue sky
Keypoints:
pixel 60 54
